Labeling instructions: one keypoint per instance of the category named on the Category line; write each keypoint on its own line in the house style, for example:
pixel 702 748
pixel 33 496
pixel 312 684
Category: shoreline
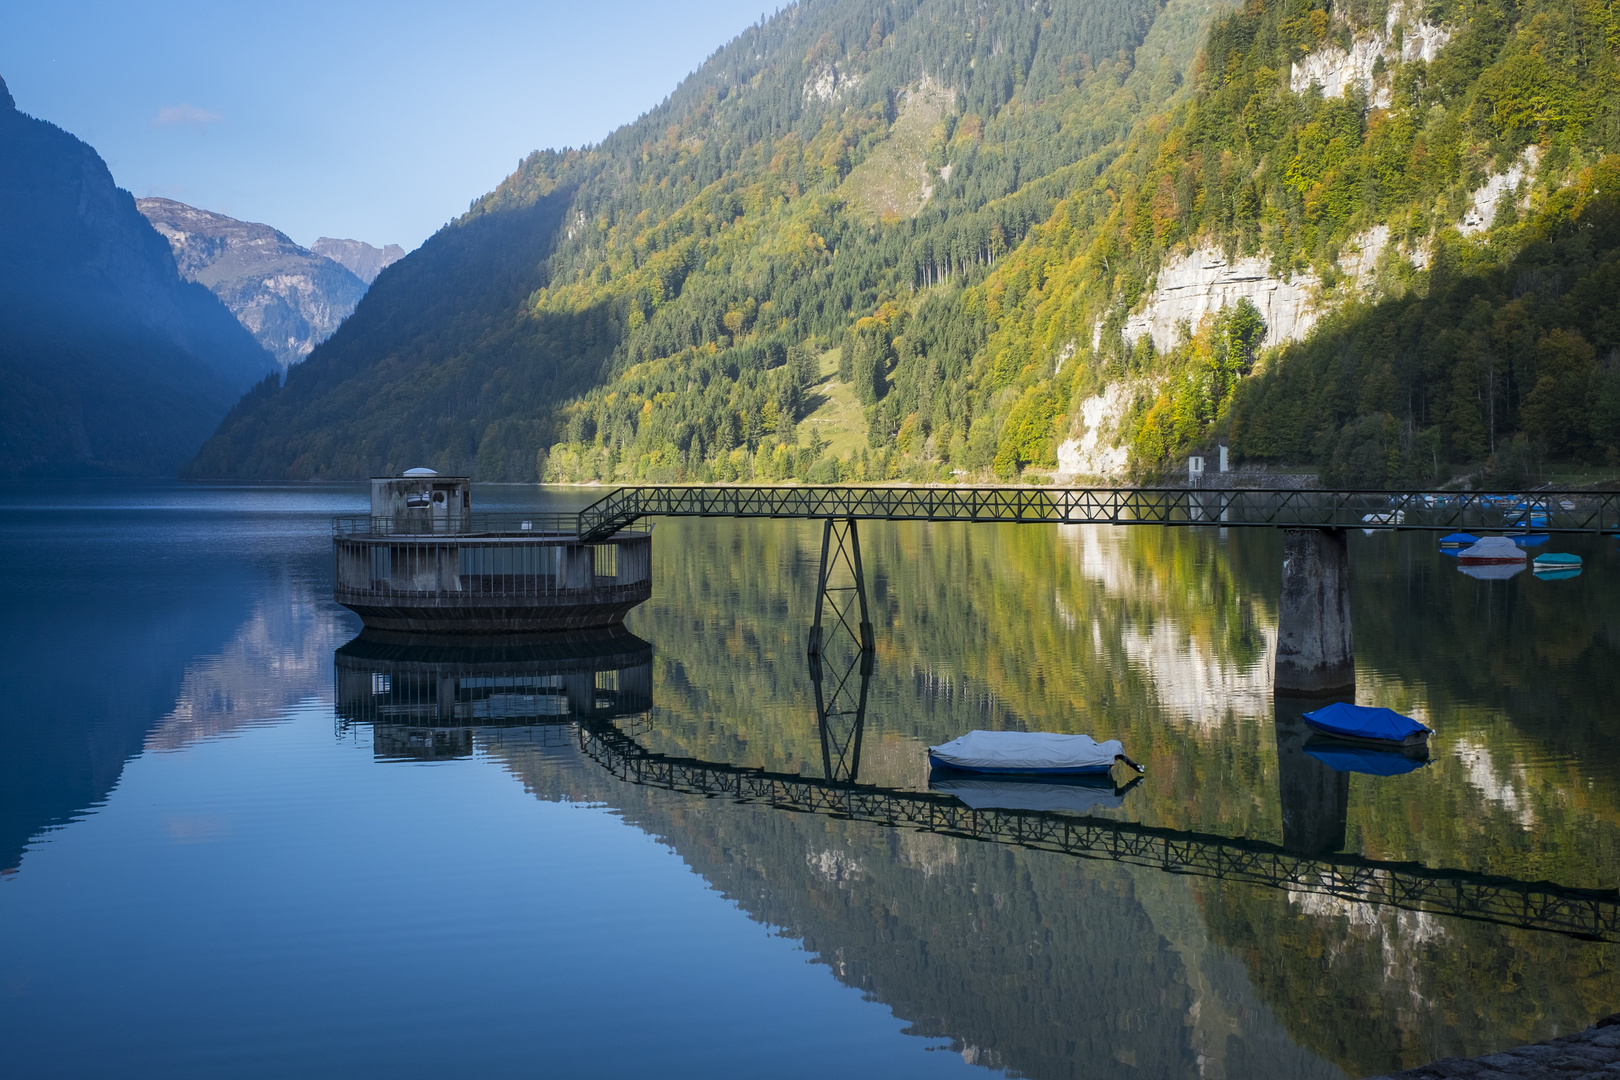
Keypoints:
pixel 1593 1052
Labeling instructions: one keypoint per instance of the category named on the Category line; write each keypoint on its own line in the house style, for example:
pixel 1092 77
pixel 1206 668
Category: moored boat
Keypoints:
pixel 1028 753
pixel 1554 565
pixel 1369 725
pixel 1492 549
pixel 1459 540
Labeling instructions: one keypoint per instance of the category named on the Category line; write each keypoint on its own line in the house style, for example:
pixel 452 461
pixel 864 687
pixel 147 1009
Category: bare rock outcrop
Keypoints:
pixel 1094 452
pixel 288 297
pixel 1336 70
pixel 358 257
pixel 1482 208
pixel 1201 282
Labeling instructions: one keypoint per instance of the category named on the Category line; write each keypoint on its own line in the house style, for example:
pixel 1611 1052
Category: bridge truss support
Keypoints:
pixel 1315 649
pixel 841 546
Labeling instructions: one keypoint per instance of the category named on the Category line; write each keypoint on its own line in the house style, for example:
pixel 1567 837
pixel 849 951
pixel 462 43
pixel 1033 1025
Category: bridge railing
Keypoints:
pixel 422 523
pixel 1542 511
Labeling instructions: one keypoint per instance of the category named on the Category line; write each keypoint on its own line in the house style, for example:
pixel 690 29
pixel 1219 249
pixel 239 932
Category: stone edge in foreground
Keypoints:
pixel 1594 1052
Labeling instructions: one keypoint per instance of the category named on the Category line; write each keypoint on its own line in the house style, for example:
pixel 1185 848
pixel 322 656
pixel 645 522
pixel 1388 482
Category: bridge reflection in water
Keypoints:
pixel 426 698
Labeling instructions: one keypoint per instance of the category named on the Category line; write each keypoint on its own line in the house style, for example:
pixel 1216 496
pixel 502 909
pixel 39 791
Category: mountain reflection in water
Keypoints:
pixel 1019 958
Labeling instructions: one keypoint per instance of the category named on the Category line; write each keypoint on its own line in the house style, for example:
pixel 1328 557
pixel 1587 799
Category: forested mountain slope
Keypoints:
pixel 112 364
pixel 1451 220
pixel 762 207
pixel 1060 237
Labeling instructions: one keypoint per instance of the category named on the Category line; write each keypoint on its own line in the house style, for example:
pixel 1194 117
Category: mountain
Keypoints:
pixel 1390 236
pixel 362 260
pixel 757 211
pixel 113 363
pixel 934 239
pixel 289 298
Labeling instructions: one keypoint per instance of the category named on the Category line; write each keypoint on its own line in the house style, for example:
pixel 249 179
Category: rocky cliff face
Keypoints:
pixel 1336 70
pixel 360 258
pixel 1203 281
pixel 288 297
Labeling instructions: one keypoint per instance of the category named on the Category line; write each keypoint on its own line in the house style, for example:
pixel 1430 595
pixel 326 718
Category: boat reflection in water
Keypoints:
pixel 424 697
pixel 1079 794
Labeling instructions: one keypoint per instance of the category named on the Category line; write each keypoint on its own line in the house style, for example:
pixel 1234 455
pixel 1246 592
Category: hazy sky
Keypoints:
pixel 373 120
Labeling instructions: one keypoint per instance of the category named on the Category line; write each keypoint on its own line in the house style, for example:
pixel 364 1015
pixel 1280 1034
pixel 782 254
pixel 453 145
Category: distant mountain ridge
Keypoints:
pixel 362 260
pixel 288 297
pixel 112 363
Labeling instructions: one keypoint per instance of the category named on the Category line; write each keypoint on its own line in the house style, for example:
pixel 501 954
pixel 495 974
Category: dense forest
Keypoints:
pixel 877 240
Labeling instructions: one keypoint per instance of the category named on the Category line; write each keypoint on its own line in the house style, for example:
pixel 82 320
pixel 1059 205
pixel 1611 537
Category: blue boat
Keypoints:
pixel 1369 725
pixel 1459 540
pixel 1347 758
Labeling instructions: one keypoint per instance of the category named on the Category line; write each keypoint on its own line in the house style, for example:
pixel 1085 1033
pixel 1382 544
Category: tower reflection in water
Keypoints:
pixel 425 697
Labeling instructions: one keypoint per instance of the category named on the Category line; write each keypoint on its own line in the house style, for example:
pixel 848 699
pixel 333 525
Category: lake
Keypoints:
pixel 229 847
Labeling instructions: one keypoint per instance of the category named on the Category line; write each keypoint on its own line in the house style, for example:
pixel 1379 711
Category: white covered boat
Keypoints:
pixel 1492 549
pixel 1028 753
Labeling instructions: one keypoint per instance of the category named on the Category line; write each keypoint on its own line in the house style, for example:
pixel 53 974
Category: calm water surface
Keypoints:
pixel 229 848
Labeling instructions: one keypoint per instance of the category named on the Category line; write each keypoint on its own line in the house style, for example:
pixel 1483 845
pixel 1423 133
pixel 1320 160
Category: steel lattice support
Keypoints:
pixel 1533 905
pixel 841 546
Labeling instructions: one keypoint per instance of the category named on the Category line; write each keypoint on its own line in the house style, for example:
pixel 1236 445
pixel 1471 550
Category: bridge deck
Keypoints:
pixel 1541 511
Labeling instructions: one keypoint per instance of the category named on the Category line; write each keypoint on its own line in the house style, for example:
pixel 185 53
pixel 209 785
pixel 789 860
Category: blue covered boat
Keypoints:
pixel 1459 540
pixel 1368 725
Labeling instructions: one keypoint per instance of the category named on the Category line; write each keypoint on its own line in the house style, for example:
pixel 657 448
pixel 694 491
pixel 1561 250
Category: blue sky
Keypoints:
pixel 376 120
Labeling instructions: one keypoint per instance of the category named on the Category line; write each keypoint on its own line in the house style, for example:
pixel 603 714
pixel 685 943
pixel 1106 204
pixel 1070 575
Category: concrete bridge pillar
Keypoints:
pixel 1315 650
